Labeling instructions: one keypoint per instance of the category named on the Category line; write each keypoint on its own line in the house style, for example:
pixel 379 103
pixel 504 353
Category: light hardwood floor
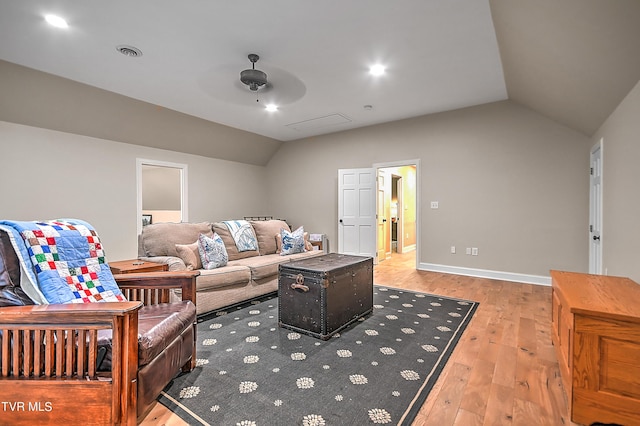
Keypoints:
pixel 503 371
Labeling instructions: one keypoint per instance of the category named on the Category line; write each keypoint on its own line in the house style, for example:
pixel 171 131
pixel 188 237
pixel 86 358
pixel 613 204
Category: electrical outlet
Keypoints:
pixel 468 250
pixel 434 204
pixel 453 249
pixel 474 251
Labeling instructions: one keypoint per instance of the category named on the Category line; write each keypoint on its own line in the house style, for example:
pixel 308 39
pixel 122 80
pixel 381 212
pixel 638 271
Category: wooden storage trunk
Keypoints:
pixel 322 295
pixel 596 334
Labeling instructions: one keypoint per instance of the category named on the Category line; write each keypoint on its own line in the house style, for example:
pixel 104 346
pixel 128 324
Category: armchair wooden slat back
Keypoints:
pixel 41 352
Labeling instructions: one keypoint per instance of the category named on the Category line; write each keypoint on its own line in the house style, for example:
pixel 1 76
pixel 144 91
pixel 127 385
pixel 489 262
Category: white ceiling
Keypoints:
pixel 571 60
pixel 440 55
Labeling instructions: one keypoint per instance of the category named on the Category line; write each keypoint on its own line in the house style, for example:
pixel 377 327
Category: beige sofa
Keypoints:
pixel 247 275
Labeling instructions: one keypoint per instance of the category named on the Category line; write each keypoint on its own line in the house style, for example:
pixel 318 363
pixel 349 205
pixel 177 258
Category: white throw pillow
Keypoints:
pixel 292 242
pixel 213 253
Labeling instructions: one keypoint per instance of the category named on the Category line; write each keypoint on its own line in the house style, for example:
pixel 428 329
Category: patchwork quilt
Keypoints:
pixel 65 260
pixel 242 234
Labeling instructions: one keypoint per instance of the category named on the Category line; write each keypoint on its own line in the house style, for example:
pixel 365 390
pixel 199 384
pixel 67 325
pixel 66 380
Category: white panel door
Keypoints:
pixel 357 212
pixel 595 213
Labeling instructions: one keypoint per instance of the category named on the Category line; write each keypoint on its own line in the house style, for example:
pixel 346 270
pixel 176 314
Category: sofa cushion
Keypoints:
pixel 190 255
pixel 266 231
pixel 212 252
pixel 232 251
pixel 263 266
pixel 304 255
pixel 160 239
pixel 221 277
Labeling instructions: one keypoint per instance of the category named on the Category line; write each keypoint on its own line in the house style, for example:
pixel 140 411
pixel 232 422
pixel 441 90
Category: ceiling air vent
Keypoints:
pixel 129 51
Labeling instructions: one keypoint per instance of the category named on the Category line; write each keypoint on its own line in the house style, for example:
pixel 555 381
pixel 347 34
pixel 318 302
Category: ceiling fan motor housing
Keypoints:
pixel 252 77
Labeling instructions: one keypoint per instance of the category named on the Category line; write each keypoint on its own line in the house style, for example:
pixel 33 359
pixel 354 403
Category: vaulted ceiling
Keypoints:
pixel 570 60
pixel 573 61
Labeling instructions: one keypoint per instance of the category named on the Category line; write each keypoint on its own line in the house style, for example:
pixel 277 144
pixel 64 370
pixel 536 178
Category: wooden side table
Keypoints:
pixel 136 265
pixel 317 244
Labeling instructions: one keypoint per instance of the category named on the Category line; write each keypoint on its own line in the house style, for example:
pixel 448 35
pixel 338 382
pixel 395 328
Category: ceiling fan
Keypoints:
pixel 253 78
pixel 281 87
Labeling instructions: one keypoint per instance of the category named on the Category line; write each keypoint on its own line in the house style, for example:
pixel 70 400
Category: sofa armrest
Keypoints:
pixel 174 263
pixel 154 287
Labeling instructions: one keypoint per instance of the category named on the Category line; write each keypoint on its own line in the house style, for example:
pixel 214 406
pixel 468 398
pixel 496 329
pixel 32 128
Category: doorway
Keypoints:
pixel 595 210
pixel 399 210
pixel 360 222
pixel 161 192
pixel 397 186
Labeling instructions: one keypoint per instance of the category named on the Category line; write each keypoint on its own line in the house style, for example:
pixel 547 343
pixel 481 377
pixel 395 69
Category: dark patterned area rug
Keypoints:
pixel 379 370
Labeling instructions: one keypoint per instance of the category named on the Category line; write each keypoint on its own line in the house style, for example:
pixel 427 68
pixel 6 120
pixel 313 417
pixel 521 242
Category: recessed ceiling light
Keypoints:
pixel 377 69
pixel 271 107
pixel 56 21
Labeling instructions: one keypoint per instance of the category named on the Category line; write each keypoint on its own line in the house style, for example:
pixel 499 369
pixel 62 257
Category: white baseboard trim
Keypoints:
pixel 485 273
pixel 410 247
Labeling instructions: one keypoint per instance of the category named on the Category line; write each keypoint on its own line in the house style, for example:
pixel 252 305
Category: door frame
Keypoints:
pixel 399 224
pixel 595 213
pixel 400 163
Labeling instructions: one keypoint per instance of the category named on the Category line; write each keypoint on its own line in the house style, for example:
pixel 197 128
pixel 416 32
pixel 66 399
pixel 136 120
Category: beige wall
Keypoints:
pixel 161 188
pixel 621 197
pixel 43 100
pixel 508 180
pixel 46 174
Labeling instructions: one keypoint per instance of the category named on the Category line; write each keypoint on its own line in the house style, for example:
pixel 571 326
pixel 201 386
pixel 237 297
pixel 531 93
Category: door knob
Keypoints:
pixel 340 220
pixel 596 237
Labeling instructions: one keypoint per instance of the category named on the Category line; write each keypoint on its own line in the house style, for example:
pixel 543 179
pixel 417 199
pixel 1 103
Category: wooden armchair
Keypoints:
pixel 93 363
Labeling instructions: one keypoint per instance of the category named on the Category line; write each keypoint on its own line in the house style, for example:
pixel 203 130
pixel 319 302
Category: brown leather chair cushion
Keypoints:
pixel 10 292
pixel 158 326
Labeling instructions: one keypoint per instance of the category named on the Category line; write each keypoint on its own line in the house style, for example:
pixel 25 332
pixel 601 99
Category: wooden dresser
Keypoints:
pixel 596 334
